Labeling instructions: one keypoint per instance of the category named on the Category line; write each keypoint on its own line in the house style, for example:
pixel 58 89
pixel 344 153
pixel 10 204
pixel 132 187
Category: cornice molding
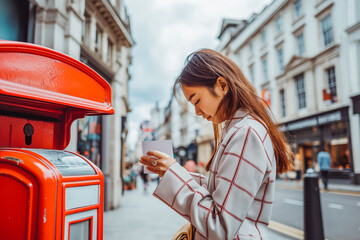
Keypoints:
pixel 115 22
pixel 96 60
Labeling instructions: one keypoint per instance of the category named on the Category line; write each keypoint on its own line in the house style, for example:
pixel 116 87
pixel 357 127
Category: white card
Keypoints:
pixel 164 146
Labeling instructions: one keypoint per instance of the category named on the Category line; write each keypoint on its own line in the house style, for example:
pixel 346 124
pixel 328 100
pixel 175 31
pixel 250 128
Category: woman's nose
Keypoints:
pixel 198 111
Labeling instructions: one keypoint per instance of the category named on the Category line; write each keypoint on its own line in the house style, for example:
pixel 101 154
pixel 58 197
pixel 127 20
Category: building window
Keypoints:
pixel 109 51
pixel 298 8
pixel 300 90
pixel 263 37
pixel 265 70
pixel 83 30
pixel 331 79
pixel 327 31
pixel 98 38
pixel 300 44
pixel 278 23
pixel 86 29
pixel 282 102
pixel 251 49
pixel 281 59
pixel 252 77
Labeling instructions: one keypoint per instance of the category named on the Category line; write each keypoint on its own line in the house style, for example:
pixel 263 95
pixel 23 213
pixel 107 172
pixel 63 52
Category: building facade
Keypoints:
pixel 303 58
pixel 98 34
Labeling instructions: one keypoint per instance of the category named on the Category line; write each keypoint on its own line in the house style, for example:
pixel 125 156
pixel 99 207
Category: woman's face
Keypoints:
pixel 205 103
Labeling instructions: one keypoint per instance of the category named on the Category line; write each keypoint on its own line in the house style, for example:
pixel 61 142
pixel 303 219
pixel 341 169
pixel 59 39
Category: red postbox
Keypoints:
pixel 46 192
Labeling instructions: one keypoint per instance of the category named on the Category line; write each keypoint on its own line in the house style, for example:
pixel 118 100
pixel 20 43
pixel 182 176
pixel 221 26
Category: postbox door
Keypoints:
pixel 18 203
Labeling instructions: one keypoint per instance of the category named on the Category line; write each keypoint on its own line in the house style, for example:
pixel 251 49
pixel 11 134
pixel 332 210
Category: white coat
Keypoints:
pixel 235 201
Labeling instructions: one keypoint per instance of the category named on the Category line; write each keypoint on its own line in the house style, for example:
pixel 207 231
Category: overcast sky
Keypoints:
pixel 166 32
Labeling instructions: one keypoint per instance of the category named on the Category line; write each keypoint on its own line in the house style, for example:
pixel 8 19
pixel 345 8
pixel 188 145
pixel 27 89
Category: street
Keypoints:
pixel 142 216
pixel 340 212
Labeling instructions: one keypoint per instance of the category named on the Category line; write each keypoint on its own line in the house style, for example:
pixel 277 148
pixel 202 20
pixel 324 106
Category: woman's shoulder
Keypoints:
pixel 247 124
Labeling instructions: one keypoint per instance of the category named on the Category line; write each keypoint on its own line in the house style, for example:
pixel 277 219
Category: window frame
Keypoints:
pixel 251 49
pixel 278 24
pixel 282 102
pixel 252 74
pixel 331 83
pixel 265 69
pixel 280 58
pixel 298 8
pixel 98 39
pixel 300 53
pixel 300 90
pixel 263 37
pixel 110 50
pixel 327 34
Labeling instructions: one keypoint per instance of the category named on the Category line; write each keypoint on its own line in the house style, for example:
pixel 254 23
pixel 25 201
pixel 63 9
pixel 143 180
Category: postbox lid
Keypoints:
pixel 42 92
pixel 32 73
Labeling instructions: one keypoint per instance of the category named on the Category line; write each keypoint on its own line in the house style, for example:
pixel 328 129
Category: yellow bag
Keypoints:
pixel 186 232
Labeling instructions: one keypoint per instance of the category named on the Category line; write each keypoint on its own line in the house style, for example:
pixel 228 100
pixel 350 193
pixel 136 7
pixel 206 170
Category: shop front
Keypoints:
pixel 329 131
pixel 89 138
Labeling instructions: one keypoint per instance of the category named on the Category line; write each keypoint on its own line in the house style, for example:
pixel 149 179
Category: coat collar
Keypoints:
pixel 228 124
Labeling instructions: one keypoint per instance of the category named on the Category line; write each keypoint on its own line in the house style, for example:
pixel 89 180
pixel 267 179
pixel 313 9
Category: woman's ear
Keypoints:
pixel 222 84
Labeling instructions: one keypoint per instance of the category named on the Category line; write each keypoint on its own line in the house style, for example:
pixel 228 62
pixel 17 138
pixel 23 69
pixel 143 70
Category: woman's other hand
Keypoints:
pixel 157 162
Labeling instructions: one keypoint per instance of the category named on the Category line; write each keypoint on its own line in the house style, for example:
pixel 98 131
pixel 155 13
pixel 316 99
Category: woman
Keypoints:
pixel 235 202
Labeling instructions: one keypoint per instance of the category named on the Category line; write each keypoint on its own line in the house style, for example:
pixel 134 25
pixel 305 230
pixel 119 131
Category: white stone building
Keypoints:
pixel 96 32
pixel 303 57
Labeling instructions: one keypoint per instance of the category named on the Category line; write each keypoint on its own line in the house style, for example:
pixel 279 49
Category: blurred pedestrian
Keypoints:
pixel 297 169
pixel 237 198
pixel 324 161
pixel 190 166
pixel 144 177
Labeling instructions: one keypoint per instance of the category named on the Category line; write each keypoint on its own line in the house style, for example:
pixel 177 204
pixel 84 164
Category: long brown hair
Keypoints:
pixel 203 68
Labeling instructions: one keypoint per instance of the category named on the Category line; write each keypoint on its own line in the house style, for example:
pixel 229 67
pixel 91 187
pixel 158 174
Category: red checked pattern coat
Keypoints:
pixel 236 200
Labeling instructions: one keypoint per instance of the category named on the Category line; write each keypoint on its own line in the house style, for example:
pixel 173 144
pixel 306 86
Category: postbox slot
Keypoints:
pixel 44 133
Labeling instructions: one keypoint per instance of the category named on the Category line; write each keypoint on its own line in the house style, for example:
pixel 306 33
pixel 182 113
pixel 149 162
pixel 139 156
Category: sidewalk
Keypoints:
pixel 334 185
pixel 142 216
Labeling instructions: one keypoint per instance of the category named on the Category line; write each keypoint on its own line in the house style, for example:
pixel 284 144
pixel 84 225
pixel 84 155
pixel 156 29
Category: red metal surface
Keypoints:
pixel 18 208
pixel 48 88
pixel 46 207
pixel 42 207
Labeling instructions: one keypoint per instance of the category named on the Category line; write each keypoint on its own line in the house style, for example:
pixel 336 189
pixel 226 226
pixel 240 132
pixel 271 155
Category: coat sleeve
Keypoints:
pixel 239 175
pixel 199 178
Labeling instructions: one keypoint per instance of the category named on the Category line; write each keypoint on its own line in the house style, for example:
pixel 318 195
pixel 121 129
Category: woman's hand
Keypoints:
pixel 157 162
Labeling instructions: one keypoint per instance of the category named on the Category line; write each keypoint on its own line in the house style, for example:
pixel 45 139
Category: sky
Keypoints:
pixel 165 33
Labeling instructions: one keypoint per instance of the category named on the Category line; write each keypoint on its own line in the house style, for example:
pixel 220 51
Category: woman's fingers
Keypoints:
pixel 157 154
pixel 155 170
pixel 157 162
pixel 147 160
